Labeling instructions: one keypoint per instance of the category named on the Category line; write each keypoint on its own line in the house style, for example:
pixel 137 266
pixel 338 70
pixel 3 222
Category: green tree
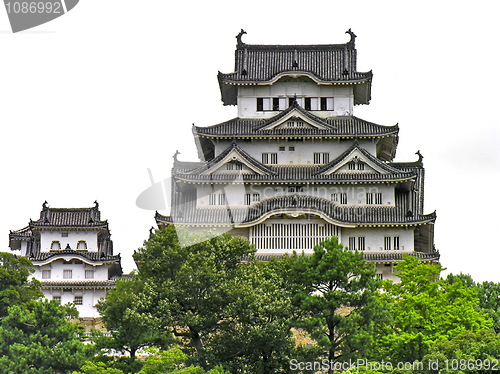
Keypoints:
pixel 256 335
pixel 336 292
pixel 125 312
pixel 425 309
pixel 226 308
pixel 15 285
pixel 470 352
pixel 37 338
pixel 187 285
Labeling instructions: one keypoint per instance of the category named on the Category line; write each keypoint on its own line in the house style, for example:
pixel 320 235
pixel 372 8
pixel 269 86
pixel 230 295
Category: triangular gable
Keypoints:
pixel 357 155
pixel 295 117
pixel 234 154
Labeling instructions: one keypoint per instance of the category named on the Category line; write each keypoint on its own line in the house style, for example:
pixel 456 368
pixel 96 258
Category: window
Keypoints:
pixel 45 274
pixel 234 166
pixel 222 199
pixel 291 149
pixel 361 243
pixel 387 243
pixel 260 104
pixel 55 246
pixel 357 243
pixel 379 276
pixel 339 197
pixel 78 300
pixel 396 243
pixel 294 189
pixel 374 198
pixel 67 274
pixel 290 101
pixel 352 165
pixel 64 234
pixel 213 199
pixel 326 103
pixel 321 158
pixel 270 158
pixel 307 103
pixel 276 103
pixel 361 165
pixel 249 198
pixel 282 149
pixel 57 298
pixel 217 199
pixel 89 274
pixel 343 198
pixel 369 198
pixel 82 245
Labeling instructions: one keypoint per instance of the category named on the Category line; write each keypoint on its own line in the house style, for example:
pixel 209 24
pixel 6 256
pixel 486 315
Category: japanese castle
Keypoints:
pixel 72 255
pixel 296 166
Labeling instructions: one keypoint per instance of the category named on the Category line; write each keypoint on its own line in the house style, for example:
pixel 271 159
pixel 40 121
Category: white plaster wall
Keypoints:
pixel 247 97
pixel 90 236
pixel 303 153
pixel 356 194
pixel 89 301
pixel 78 271
pixel 374 238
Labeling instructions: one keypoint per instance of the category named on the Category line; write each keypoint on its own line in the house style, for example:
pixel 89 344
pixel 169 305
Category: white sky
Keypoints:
pixel 90 101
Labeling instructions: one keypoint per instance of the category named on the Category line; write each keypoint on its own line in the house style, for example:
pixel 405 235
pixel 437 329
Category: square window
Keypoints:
pixel 45 274
pixel 67 274
pixel 64 234
pixel 282 149
pixel 78 300
pixel 291 149
pixel 57 298
pixel 89 274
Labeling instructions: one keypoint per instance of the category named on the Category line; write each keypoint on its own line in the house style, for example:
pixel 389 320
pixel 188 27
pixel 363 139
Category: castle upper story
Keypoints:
pixel 322 79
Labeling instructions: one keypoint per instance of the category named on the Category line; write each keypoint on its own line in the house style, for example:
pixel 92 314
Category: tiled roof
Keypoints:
pixel 298 174
pixel 338 127
pixel 375 256
pixel 342 157
pixel 328 63
pixel 289 173
pixel 91 256
pixel 187 213
pixel 234 146
pixel 22 234
pixel 106 284
pixel 69 218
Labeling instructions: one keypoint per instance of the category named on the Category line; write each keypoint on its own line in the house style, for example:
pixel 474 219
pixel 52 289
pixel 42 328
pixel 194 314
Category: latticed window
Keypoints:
pixel 89 274
pixel 374 198
pixel 270 158
pixel 357 243
pixel 57 298
pixel 343 198
pixel 78 300
pixel 387 243
pixel 46 274
pixel 290 236
pixel 321 158
pixel 67 274
pixel 396 243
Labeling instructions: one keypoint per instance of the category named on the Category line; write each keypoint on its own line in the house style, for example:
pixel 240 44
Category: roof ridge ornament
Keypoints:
pixel 239 36
pixel 353 37
pixel 420 157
